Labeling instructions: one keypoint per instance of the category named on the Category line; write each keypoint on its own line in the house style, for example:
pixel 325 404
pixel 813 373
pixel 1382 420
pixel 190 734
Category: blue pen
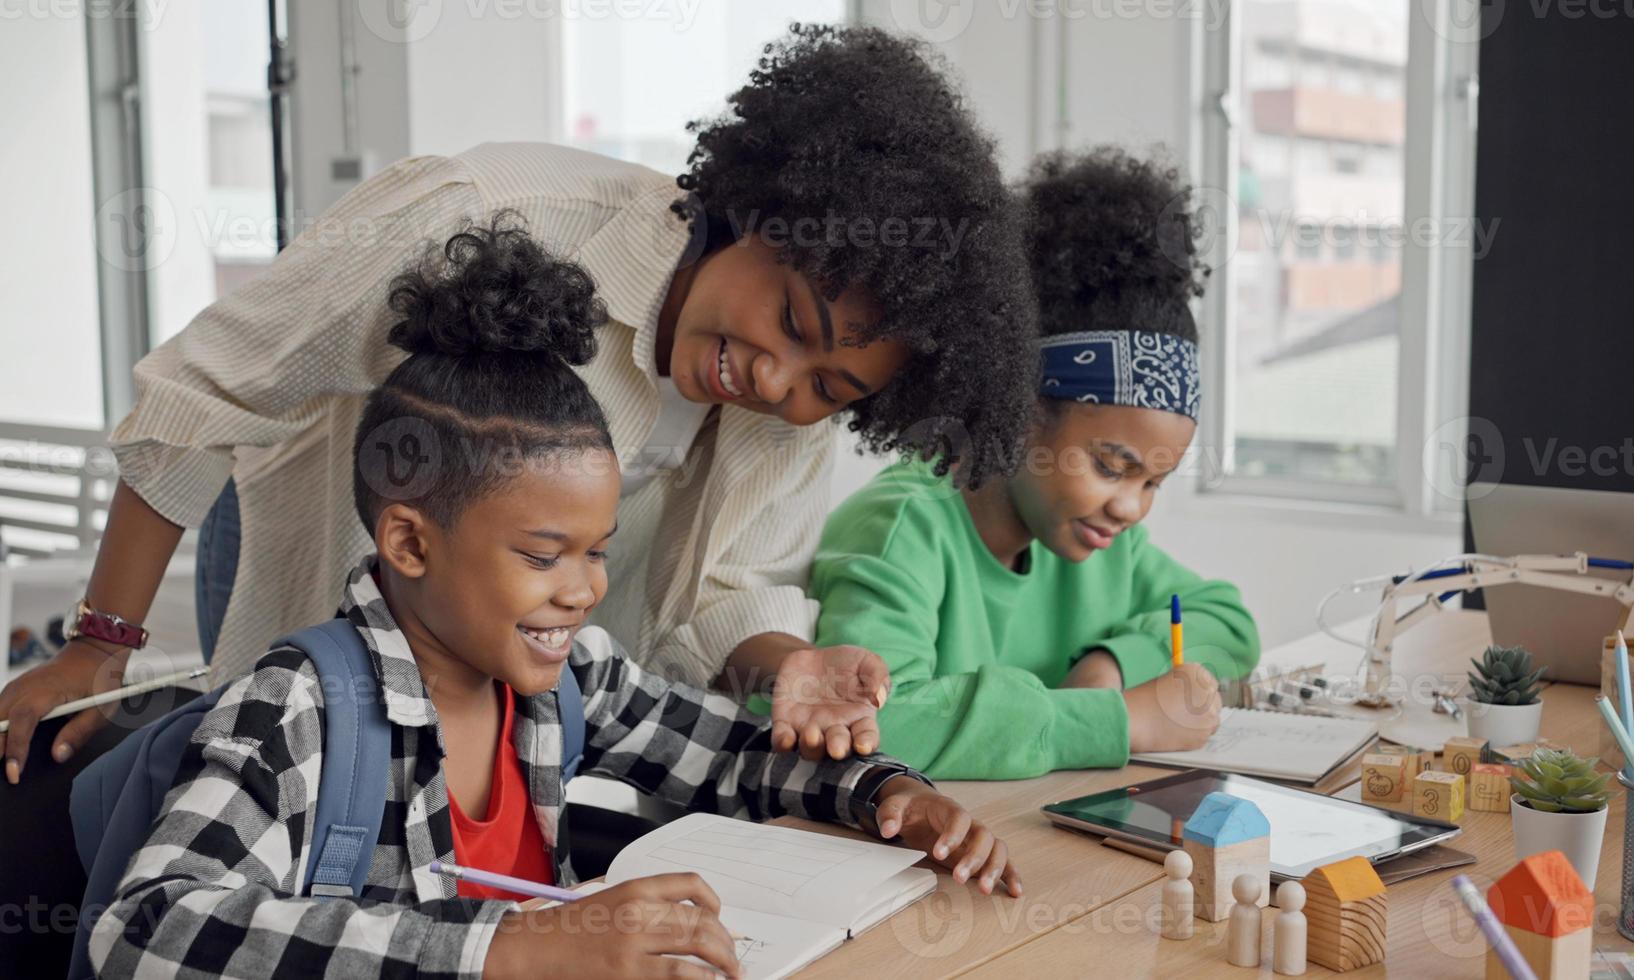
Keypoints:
pixel 1625 698
pixel 1176 636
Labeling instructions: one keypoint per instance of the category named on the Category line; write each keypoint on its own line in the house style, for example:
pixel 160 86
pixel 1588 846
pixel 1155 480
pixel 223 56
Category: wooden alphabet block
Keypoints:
pixel 1227 836
pixel 1462 754
pixel 1418 760
pixel 1346 914
pixel 1489 788
pixel 1439 796
pixel 1385 777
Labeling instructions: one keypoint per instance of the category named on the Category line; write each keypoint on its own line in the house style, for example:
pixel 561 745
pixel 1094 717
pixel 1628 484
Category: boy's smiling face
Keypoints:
pixel 505 589
pixel 1091 471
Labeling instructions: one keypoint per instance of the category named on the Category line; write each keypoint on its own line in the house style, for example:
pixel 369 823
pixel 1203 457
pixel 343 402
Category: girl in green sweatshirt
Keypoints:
pixel 1026 622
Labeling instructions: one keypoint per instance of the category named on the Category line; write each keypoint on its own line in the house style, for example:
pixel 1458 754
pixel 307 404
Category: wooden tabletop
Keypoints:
pixel 1091 909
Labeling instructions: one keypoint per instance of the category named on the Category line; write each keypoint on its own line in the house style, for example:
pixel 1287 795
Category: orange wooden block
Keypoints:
pixel 1543 894
pixel 1548 911
pixel 1418 760
pixel 1346 912
pixel 1489 787
pixel 1385 777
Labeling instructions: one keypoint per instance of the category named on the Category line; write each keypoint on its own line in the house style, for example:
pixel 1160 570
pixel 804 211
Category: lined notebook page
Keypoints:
pixel 1273 744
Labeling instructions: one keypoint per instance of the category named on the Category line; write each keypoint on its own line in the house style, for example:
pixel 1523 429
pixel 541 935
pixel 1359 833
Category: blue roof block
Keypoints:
pixel 1222 820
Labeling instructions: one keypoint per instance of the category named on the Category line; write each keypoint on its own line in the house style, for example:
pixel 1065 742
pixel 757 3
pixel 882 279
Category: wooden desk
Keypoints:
pixel 1090 909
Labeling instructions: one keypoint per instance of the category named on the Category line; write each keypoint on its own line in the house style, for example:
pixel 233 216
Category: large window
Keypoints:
pixel 703 52
pixel 1343 147
pixel 138 158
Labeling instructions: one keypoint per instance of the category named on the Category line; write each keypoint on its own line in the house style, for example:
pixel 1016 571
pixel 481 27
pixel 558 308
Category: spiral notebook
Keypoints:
pixel 1274 745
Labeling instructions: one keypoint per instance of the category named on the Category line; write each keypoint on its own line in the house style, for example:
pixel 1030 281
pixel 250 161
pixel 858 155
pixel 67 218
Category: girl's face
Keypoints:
pixel 504 591
pixel 755 333
pixel 1091 471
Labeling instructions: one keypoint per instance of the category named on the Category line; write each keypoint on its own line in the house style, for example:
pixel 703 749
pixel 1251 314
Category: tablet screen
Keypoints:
pixel 1307 830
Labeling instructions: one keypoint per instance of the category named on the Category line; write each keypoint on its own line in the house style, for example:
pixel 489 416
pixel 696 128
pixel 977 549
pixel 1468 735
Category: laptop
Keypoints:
pixel 1564 630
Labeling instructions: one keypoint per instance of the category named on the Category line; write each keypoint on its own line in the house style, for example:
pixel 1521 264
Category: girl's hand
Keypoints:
pixel 826 698
pixel 1176 712
pixel 939 826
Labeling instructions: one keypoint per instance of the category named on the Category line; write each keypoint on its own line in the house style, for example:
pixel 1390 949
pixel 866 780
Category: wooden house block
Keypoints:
pixel 1489 787
pixel 1462 754
pixel 1346 912
pixel 1439 796
pixel 1549 913
pixel 1418 760
pixel 1227 836
pixel 1385 777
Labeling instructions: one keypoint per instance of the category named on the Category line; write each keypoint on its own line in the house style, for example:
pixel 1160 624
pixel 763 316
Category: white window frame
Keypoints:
pixel 1439 178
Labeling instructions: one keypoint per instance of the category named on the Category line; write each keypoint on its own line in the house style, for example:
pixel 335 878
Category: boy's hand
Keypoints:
pixel 1174 713
pixel 1097 668
pixel 826 698
pixel 939 826
pixel 631 930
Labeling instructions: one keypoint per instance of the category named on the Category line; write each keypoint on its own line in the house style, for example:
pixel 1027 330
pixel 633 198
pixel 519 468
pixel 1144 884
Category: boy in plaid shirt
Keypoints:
pixel 486 470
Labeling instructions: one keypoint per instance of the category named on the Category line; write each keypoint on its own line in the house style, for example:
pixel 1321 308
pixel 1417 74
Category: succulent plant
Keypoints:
pixel 1558 781
pixel 1506 677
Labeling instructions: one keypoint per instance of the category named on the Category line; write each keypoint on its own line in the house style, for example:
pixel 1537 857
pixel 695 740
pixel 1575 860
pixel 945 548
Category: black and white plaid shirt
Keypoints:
pixel 215 890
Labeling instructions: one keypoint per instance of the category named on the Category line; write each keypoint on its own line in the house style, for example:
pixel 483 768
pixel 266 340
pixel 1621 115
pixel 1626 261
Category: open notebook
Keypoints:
pixel 792 894
pixel 1273 745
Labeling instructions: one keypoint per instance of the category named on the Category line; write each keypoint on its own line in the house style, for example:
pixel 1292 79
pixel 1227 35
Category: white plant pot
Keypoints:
pixel 1503 724
pixel 1577 835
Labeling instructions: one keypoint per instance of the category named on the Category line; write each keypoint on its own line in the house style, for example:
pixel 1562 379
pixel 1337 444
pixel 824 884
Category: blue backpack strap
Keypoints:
pixel 570 712
pixel 356 759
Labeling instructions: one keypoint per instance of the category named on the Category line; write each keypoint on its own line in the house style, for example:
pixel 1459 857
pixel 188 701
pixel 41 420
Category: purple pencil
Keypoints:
pixel 1511 958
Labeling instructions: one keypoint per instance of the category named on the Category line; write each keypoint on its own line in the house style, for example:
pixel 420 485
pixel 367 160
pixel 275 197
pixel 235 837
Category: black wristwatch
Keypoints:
pixel 864 805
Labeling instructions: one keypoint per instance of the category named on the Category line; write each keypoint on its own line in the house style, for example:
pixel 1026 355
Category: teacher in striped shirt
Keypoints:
pixel 841 245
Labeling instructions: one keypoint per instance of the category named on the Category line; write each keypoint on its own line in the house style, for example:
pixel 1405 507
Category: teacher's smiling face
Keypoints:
pixel 744 329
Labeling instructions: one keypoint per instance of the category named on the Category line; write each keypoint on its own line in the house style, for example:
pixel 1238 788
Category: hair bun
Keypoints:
pixel 494 288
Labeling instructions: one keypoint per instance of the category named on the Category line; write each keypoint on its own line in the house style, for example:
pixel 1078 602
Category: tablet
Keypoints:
pixel 1308 830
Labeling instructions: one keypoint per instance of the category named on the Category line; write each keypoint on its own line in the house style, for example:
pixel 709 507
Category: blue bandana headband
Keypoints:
pixel 1123 367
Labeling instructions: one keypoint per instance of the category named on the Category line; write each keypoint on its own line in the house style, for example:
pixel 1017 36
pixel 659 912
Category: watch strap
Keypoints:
pixel 109 627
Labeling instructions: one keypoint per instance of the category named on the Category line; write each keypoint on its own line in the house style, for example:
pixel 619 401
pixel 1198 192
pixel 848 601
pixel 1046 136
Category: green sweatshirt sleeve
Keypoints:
pixel 993 722
pixel 1219 631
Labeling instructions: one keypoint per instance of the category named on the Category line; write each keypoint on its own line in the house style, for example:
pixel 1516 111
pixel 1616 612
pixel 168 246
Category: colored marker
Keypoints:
pixel 1618 732
pixel 1176 640
pixel 1502 945
pixel 521 886
pixel 1625 699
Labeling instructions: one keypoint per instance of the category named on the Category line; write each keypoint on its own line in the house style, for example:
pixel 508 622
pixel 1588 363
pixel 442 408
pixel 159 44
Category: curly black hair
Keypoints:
pixel 493 324
pixel 1113 243
pixel 862 131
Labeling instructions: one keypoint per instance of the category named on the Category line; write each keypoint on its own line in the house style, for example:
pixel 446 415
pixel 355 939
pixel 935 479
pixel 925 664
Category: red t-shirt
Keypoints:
pixel 508 840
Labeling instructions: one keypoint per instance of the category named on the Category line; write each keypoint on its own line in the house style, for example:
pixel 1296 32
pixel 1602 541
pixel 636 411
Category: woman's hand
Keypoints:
pixel 78 670
pixel 637 929
pixel 827 697
pixel 939 826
